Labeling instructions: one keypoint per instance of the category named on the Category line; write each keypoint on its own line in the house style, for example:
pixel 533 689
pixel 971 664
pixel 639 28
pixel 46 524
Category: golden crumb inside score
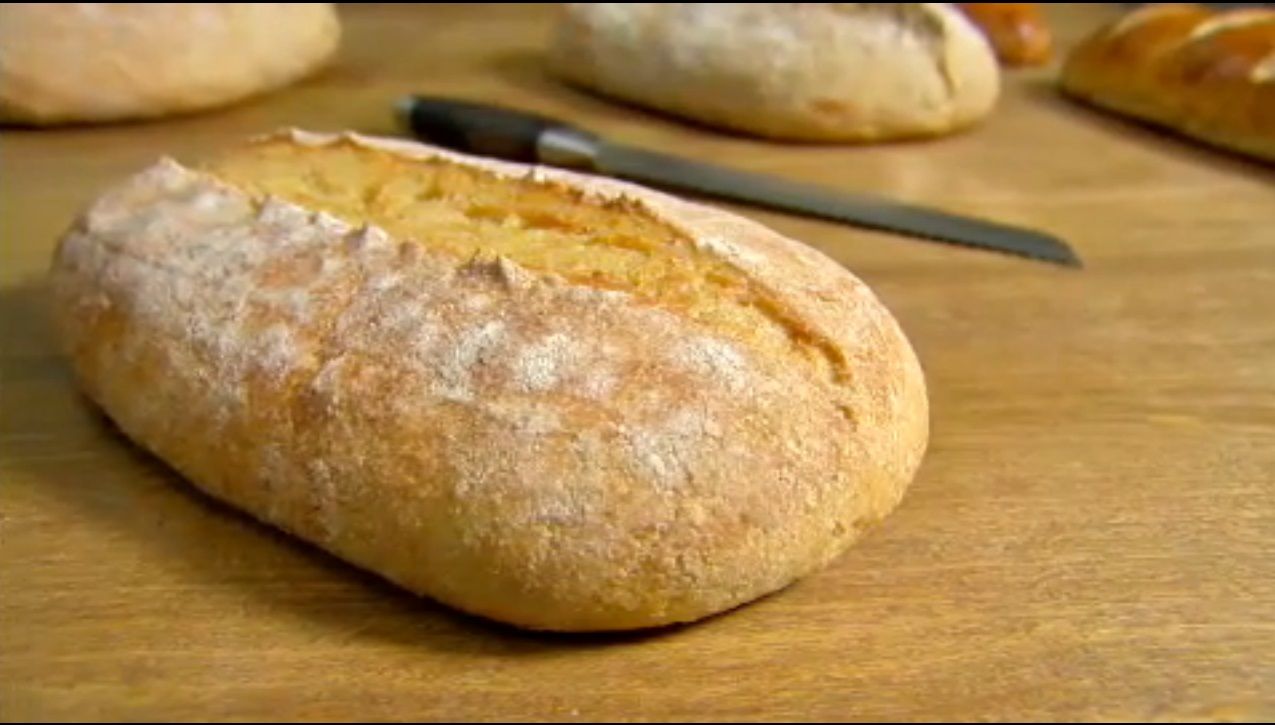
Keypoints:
pixel 466 213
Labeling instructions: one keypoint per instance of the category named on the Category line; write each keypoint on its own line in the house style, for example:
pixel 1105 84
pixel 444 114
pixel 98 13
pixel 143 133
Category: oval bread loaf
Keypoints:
pixel 557 401
pixel 1202 73
pixel 91 62
pixel 791 71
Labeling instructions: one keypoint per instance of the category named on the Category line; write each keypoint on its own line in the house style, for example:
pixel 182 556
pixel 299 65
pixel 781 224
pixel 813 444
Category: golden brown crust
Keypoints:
pixel 539 452
pixel 820 72
pixel 89 62
pixel 1019 32
pixel 1203 73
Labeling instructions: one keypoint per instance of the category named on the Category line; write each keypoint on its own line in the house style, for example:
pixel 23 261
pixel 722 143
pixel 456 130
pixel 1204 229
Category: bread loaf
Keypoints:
pixel 1202 73
pixel 89 62
pixel 556 401
pixel 792 71
pixel 1018 32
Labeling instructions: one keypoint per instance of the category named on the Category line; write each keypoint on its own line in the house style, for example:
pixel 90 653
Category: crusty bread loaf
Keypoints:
pixel 1203 73
pixel 89 62
pixel 1018 32
pixel 558 401
pixel 793 71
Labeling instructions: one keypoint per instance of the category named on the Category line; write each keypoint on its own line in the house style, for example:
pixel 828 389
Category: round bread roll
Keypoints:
pixel 554 400
pixel 790 71
pixel 96 62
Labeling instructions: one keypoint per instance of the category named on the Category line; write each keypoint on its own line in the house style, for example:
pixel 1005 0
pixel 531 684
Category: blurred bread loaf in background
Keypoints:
pixel 1203 73
pixel 96 62
pixel 791 71
pixel 1019 32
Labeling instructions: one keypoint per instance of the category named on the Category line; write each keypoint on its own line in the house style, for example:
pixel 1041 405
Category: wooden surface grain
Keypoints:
pixel 1092 534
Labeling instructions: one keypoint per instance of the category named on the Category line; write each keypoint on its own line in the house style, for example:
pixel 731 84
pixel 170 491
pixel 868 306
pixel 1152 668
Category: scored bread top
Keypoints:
pixel 1205 72
pixel 559 401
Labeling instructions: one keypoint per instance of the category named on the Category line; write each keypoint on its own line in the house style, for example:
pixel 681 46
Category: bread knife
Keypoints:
pixel 520 136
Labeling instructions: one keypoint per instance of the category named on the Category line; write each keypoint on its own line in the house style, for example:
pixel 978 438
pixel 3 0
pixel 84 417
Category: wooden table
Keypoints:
pixel 1092 535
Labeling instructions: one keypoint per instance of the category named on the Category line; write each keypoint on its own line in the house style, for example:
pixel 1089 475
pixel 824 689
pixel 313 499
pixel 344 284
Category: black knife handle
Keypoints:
pixel 477 128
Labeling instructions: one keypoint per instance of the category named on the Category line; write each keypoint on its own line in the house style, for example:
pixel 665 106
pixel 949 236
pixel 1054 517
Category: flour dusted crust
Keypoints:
pixel 793 71
pixel 542 453
pixel 88 62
